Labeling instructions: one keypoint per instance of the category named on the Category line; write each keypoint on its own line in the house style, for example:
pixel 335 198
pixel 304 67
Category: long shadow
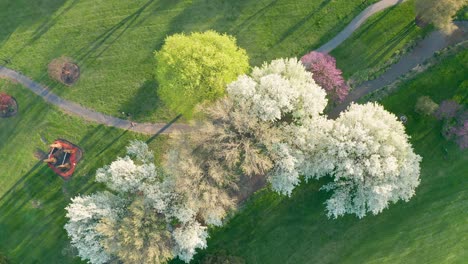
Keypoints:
pixel 390 44
pixel 23 13
pixel 20 181
pixel 111 144
pixel 367 27
pixel 103 42
pixel 163 129
pixel 253 17
pixel 301 23
pixel 45 26
pixel 145 102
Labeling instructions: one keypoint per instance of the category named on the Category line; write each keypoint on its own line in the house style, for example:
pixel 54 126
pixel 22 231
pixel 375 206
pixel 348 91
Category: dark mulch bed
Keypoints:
pixel 70 73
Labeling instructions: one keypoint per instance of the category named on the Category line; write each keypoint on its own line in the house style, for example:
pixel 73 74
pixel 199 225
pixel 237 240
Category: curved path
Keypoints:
pixel 356 23
pixel 85 113
pixel 158 128
pixel 424 50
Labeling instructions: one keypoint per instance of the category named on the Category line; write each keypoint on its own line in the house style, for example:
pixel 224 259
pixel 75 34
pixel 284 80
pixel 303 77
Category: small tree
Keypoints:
pixel 196 68
pixel 456 128
pixel 447 109
pixel 439 12
pixel 326 74
pixel 425 106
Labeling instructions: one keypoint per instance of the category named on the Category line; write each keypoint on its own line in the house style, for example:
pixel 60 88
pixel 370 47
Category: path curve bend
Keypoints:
pixel 88 114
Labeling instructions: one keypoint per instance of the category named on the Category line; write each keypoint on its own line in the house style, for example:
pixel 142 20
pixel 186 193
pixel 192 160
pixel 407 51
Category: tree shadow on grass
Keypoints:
pixel 24 226
pixel 146 104
pixel 46 25
pixel 105 40
pixel 288 33
pixel 377 56
pixel 23 13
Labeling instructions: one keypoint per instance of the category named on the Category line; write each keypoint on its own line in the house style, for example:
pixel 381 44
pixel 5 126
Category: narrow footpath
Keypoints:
pixel 424 50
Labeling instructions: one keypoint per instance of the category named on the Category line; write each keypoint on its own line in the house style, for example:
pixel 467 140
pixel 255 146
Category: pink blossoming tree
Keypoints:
pixel 325 74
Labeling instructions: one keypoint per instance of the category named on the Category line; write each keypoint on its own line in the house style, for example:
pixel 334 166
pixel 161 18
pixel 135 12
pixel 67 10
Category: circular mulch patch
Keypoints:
pixel 70 73
pixel 8 106
pixel 64 70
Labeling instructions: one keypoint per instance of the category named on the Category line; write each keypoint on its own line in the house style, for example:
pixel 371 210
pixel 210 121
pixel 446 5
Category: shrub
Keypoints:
pixel 5 102
pixel 196 68
pixel 425 106
pixel 447 109
pixel 457 129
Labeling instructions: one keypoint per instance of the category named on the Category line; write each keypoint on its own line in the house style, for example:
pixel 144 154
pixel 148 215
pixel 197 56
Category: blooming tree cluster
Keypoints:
pixel 270 124
pixel 283 97
pixel 84 214
pixel 140 222
pixel 326 74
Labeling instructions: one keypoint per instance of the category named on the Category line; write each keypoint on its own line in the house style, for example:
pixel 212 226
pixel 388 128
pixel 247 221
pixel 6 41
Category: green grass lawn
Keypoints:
pixel 378 42
pixel 113 41
pixel 36 235
pixel 430 228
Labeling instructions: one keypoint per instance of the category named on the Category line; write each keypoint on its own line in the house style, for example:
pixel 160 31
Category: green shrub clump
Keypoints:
pixel 191 69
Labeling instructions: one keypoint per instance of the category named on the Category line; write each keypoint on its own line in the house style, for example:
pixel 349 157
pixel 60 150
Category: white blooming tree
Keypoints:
pixel 372 163
pixel 84 214
pixel 278 90
pixel 282 95
pixel 188 238
pixel 140 222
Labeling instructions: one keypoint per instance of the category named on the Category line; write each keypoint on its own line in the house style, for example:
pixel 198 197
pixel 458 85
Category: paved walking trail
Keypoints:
pixel 85 113
pixel 423 51
pixel 356 23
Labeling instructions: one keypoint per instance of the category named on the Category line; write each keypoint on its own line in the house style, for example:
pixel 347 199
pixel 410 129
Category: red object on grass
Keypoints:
pixel 72 158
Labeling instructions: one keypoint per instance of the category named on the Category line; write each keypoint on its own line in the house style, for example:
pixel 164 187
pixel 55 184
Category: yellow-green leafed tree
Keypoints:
pixel 194 68
pixel 439 12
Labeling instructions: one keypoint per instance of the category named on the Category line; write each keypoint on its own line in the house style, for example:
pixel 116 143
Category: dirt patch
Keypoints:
pixel 64 70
